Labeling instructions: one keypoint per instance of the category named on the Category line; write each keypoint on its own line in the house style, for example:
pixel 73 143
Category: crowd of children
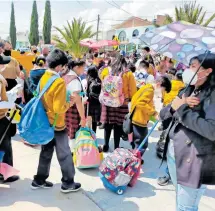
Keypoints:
pixel 69 101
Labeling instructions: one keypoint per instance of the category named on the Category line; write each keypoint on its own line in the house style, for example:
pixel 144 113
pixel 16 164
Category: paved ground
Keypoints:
pixel 145 196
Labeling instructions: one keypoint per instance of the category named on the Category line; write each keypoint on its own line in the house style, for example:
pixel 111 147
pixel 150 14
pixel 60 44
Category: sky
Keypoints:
pixel 111 12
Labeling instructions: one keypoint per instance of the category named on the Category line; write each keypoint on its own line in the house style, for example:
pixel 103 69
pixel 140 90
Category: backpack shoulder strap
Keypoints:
pixel 46 87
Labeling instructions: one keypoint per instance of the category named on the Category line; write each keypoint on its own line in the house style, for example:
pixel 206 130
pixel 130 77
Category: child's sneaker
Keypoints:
pixel 72 188
pixel 163 181
pixel 45 185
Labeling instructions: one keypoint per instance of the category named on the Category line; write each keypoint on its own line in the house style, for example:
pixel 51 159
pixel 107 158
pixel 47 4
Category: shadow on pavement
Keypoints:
pixel 210 193
pixel 108 200
pixel 20 191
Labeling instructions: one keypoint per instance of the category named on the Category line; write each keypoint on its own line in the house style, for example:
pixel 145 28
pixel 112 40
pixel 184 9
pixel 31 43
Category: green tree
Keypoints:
pixel 34 31
pixel 47 23
pixel 190 12
pixel 12 27
pixel 71 35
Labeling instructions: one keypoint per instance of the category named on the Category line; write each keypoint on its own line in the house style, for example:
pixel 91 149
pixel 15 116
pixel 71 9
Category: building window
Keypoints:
pixel 122 36
pixel 135 33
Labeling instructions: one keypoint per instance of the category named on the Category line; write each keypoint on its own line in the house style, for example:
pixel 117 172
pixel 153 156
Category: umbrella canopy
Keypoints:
pixel 103 43
pixel 180 40
pixel 98 44
pixel 87 42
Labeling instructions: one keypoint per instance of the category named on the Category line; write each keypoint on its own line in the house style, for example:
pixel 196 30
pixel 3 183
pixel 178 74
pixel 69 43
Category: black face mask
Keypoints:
pixel 35 51
pixel 7 52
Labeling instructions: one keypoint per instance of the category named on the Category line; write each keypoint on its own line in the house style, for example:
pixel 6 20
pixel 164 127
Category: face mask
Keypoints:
pixel 7 52
pixel 89 63
pixel 45 55
pixel 187 75
pixel 35 51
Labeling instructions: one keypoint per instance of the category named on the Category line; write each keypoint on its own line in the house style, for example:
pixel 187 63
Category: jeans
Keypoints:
pixel 64 156
pixel 187 199
pixel 139 133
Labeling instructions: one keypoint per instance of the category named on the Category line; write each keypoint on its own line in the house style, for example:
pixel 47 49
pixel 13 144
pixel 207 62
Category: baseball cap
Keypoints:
pixel 5 59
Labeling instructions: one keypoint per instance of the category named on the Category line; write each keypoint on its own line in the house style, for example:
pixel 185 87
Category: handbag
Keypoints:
pixel 127 123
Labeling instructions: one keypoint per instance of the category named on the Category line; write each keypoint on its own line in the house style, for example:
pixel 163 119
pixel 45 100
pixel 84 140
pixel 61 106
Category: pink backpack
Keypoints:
pixel 112 91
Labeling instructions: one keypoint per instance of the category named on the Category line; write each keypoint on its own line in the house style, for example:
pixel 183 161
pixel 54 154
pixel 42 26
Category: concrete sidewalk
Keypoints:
pixel 145 196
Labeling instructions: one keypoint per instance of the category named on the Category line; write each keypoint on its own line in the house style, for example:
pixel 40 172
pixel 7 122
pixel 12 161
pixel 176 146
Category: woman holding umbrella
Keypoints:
pixel 190 143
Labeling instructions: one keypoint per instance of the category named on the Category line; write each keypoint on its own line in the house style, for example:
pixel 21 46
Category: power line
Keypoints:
pixel 114 4
pixel 81 4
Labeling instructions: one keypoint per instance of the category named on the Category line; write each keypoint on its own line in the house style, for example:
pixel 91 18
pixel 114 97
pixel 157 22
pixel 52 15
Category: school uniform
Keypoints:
pixel 54 101
pixel 142 106
pixel 112 117
pixel 72 116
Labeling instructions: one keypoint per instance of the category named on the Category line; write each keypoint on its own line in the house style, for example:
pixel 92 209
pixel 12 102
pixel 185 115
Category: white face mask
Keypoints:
pixel 187 75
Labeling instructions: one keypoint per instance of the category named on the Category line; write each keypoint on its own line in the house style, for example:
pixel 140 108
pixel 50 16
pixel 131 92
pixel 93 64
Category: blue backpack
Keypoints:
pixel 34 126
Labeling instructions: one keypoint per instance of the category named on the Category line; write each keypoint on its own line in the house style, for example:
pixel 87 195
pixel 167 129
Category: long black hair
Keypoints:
pixel 207 62
pixel 92 72
pixel 75 63
pixel 118 65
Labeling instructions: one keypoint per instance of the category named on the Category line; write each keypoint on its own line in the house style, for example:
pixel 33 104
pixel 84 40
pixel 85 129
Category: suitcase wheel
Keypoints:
pixel 120 191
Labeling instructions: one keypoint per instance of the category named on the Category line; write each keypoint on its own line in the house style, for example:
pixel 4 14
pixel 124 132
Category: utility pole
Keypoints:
pixel 97 34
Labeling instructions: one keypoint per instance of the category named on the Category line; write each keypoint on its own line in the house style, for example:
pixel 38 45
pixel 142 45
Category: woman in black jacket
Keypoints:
pixel 190 143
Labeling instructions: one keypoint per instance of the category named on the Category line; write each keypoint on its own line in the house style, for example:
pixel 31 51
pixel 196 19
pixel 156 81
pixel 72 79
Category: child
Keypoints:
pixel 176 85
pixel 142 106
pixel 75 116
pixel 143 74
pixel 54 101
pixel 37 73
pixel 93 92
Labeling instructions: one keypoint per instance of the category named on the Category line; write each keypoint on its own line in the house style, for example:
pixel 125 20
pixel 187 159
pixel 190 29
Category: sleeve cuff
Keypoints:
pixel 180 112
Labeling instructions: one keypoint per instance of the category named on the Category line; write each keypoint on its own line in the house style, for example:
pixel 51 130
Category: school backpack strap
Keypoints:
pixel 47 86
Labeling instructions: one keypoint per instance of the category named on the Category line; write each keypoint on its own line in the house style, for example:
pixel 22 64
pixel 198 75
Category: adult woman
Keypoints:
pixel 112 118
pixel 93 91
pixel 190 141
pixel 37 72
pixel 75 116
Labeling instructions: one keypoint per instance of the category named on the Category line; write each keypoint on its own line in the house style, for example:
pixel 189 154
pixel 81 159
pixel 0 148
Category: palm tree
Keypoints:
pixel 190 12
pixel 71 35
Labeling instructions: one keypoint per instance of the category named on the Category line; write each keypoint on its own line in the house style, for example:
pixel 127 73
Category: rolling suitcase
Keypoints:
pixel 121 168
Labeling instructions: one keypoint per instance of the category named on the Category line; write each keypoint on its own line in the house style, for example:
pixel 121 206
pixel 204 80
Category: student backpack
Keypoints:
pixel 34 126
pixel 112 91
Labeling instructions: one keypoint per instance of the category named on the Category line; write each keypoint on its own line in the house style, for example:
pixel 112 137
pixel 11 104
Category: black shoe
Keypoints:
pixel 45 185
pixel 124 137
pixel 163 181
pixel 133 145
pixel 11 179
pixel 102 126
pixel 105 148
pixel 71 188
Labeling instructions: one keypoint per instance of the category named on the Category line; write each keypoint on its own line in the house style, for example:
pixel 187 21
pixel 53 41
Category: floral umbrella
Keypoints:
pixel 181 40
